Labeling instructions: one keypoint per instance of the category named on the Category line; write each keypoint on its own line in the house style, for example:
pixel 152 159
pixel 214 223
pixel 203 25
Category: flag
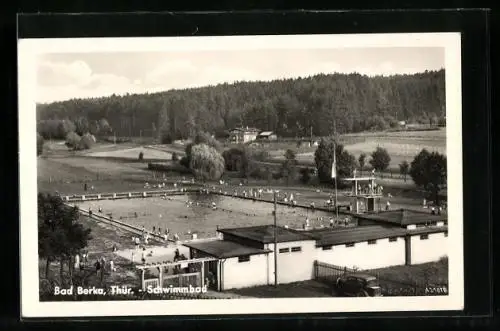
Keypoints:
pixel 334 166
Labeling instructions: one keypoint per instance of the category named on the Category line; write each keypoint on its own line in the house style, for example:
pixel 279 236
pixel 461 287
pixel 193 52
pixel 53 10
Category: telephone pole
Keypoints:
pixel 275 243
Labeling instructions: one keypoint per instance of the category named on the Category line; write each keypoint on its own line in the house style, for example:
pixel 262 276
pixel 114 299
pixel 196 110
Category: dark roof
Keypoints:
pixel 246 130
pixel 225 249
pixel 265 234
pixel 427 230
pixel 355 234
pixel 403 217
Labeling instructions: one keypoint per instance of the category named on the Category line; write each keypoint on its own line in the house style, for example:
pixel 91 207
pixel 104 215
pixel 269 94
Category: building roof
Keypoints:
pixel 403 217
pixel 225 249
pixel 247 129
pixel 266 133
pixel 354 234
pixel 265 234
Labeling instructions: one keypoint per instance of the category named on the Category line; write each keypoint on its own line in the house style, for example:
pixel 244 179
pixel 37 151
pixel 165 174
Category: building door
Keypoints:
pixel 211 274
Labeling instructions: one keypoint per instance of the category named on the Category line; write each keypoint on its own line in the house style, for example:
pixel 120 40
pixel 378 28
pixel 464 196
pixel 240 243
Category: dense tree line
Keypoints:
pixel 290 107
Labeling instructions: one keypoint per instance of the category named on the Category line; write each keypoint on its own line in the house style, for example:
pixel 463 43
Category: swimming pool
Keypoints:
pixel 193 213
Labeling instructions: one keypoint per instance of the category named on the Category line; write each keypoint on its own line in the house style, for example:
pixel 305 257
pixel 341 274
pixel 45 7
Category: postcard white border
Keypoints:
pixel 30 49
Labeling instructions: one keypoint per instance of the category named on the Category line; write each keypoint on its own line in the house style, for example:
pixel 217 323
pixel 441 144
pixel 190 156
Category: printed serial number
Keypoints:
pixel 411 291
pixel 436 290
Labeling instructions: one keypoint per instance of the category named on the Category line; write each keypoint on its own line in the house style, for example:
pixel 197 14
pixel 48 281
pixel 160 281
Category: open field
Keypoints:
pixel 133 153
pixel 68 174
pixel 400 145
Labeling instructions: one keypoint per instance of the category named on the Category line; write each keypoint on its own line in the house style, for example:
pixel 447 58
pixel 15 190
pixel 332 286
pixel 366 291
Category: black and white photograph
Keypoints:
pixel 240 174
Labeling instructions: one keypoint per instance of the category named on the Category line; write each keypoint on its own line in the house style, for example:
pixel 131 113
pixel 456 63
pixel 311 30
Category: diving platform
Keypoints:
pixel 365 193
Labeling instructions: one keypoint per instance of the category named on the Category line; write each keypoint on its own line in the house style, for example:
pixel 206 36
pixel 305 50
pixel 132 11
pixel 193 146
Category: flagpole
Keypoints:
pixel 336 200
pixel 335 167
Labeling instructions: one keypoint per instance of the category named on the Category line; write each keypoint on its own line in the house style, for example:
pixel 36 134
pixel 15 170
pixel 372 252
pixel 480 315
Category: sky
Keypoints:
pixel 63 76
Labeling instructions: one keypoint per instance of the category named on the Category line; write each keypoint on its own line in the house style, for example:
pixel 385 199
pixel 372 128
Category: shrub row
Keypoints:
pixel 174 167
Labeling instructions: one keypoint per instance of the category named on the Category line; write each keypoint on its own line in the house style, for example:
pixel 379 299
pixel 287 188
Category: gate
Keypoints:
pixel 328 272
pixel 183 280
pixel 153 282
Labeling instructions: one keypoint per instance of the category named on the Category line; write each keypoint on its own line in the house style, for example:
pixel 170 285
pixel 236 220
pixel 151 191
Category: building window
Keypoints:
pixel 284 250
pixel 327 248
pixel 393 239
pixel 296 249
pixel 372 242
pixel 244 258
pixel 349 245
pixel 424 237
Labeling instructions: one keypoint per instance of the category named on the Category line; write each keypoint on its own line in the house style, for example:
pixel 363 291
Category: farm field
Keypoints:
pixel 400 145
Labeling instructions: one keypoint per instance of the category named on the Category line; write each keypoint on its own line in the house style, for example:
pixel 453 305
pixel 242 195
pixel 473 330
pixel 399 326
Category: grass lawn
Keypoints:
pixel 393 280
pixel 306 289
pixel 431 273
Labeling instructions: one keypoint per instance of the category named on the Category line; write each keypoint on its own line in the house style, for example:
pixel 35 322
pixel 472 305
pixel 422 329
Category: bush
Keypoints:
pixel 175 157
pixel 261 155
pixel 72 140
pixel 184 162
pixel 86 142
pixel 119 140
pixel 176 167
pixel 141 156
pixel 305 175
pixel 166 138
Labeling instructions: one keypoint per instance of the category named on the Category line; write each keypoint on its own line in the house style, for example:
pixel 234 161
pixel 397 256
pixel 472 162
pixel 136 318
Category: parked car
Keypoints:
pixel 359 285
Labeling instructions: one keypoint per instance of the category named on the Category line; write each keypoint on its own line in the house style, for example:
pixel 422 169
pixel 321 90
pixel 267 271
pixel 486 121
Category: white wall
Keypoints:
pixel 382 254
pixel 245 274
pixel 293 266
pixel 429 250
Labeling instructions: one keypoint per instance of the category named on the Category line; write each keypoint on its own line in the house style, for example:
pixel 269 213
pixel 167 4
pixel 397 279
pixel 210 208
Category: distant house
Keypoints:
pixel 243 135
pixel 267 135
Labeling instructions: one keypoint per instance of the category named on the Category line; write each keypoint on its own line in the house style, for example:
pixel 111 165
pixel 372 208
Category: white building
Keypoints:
pixel 245 256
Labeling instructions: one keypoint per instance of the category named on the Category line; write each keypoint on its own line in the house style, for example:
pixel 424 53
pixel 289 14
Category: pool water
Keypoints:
pixel 193 213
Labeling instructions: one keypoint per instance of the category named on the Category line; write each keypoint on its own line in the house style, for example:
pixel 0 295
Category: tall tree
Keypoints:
pixel 362 162
pixel 323 157
pixel 428 170
pixel 289 166
pixel 380 159
pixel 404 167
pixel 60 235
pixel 206 162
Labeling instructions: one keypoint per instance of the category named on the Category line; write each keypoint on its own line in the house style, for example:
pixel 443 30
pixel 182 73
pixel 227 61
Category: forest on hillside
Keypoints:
pixel 290 107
